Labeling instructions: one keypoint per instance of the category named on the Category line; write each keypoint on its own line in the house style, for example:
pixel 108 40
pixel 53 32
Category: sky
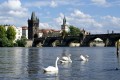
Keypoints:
pixel 95 16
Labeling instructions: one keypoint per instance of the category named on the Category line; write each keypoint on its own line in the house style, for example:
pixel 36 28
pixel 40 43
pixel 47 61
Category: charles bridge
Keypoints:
pixel 84 40
pixel 108 39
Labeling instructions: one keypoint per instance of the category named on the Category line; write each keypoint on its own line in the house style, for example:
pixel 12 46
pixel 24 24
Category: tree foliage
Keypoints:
pixel 2 32
pixel 74 31
pixel 22 42
pixel 3 42
pixel 11 33
pixel 7 37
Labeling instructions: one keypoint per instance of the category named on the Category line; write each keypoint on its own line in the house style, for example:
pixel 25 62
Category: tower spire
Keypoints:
pixel 64 20
pixel 33 17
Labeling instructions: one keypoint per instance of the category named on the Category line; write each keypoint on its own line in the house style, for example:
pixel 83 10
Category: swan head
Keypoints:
pixel 69 55
pixel 57 58
pixel 83 58
pixel 87 56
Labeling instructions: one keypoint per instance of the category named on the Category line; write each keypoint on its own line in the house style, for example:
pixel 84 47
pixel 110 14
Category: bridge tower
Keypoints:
pixel 33 26
pixel 64 26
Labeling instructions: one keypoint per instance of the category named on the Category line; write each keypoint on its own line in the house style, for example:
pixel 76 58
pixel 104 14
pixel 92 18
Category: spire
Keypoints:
pixel 33 17
pixel 64 20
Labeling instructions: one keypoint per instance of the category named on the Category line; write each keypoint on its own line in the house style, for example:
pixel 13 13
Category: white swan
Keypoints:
pixel 52 69
pixel 84 58
pixel 66 59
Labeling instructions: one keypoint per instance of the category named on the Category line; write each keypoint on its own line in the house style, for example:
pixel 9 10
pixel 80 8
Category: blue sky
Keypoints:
pixel 95 16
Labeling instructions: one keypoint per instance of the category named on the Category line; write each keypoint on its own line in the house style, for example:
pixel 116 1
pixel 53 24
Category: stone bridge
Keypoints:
pixel 108 39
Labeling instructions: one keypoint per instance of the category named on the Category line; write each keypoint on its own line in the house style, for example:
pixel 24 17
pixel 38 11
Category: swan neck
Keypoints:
pixel 56 63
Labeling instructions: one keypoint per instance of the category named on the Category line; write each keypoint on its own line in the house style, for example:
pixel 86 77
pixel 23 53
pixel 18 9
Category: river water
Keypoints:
pixel 27 63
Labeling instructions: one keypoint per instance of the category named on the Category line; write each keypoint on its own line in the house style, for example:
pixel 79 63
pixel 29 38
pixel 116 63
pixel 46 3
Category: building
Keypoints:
pixel 25 31
pixel 33 27
pixel 49 33
pixel 64 26
pixel 40 33
pixel 18 33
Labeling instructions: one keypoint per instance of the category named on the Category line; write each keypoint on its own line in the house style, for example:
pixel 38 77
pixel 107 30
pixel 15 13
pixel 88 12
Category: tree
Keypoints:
pixel 4 42
pixel 11 33
pixel 22 42
pixel 2 32
pixel 3 39
pixel 74 31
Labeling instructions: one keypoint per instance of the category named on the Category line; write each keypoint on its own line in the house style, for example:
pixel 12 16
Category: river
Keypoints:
pixel 27 63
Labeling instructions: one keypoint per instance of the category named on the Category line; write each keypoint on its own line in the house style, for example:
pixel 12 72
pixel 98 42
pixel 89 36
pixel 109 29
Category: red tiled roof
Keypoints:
pixel 24 28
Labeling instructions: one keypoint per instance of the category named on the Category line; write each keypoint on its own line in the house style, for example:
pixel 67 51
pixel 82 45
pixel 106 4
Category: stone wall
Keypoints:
pixel 74 44
pixel 29 43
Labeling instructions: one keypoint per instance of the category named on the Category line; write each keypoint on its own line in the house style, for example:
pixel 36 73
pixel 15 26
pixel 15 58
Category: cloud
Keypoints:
pixel 12 4
pixel 78 14
pixel 101 2
pixel 40 4
pixel 59 20
pixel 53 4
pixel 7 20
pixel 12 21
pixel 90 23
pixel 37 4
pixel 83 19
pixel 45 26
pixel 111 21
pixel 13 8
pixel 13 12
pixel 17 13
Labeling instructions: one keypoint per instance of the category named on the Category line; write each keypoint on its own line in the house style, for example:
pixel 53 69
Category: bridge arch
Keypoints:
pixel 52 42
pixel 95 42
pixel 55 43
pixel 69 42
pixel 35 35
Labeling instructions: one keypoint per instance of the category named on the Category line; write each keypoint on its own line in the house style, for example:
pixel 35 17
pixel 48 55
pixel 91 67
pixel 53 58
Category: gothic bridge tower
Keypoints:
pixel 64 26
pixel 33 26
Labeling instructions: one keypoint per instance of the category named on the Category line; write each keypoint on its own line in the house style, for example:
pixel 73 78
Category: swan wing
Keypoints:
pixel 65 58
pixel 82 58
pixel 64 61
pixel 50 69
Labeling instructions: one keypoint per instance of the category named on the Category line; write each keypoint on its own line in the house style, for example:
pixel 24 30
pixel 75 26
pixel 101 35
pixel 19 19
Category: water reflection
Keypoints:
pixel 51 74
pixel 12 63
pixel 52 78
pixel 83 62
pixel 33 63
pixel 118 63
pixel 67 65
pixel 67 54
pixel 26 63
pixel 19 61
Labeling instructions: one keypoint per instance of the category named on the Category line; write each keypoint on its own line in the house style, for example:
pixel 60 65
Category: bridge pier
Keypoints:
pixel 85 45
pixel 110 43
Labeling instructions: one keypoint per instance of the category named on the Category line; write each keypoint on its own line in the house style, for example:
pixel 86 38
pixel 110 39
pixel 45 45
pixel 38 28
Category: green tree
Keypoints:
pixel 3 39
pixel 2 32
pixel 4 42
pixel 11 33
pixel 22 42
pixel 74 31
pixel 10 43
